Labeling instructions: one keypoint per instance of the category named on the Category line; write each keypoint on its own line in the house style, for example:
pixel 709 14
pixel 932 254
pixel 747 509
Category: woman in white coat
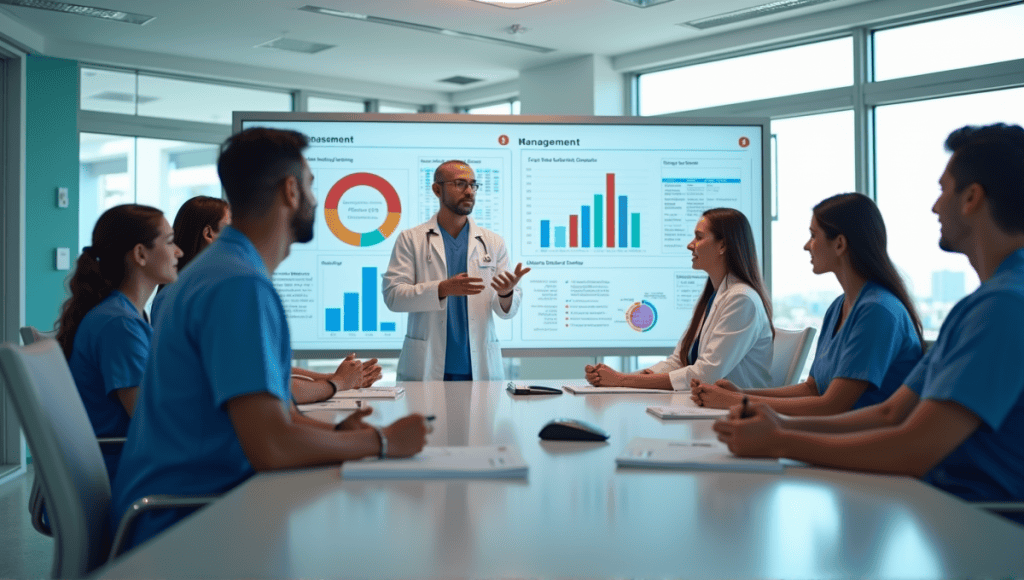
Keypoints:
pixel 731 332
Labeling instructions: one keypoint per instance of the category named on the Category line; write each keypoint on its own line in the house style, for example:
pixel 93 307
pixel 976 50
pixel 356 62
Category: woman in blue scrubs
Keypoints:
pixel 103 328
pixel 871 335
pixel 730 333
pixel 199 222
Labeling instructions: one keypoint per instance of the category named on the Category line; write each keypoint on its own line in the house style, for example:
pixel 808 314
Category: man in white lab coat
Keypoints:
pixel 449 274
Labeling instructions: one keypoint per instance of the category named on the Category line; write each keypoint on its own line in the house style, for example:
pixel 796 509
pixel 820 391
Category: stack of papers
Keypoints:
pixel 492 461
pixel 591 390
pixel 370 393
pixel 688 410
pixel 331 405
pixel 681 454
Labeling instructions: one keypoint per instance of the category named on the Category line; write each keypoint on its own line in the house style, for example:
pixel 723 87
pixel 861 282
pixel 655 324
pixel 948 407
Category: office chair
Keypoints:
pixel 790 352
pixel 68 461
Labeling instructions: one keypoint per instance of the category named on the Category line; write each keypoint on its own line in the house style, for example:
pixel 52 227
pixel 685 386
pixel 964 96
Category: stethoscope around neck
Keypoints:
pixel 431 232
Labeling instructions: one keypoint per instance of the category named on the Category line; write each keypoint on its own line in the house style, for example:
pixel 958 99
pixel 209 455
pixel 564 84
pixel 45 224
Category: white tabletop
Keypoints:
pixel 576 515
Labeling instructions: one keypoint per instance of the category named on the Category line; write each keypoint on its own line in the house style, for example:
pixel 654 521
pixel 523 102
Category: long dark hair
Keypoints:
pixel 193 217
pixel 732 227
pixel 101 268
pixel 857 218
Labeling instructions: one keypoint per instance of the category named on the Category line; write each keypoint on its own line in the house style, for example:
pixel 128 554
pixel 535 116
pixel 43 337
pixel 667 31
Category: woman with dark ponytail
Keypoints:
pixel 102 328
pixel 870 338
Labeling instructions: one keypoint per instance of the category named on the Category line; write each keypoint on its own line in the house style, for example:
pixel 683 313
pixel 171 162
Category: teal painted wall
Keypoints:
pixel 51 161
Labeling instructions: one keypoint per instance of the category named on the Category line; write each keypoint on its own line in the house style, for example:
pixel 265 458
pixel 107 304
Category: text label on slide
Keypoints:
pixel 376 236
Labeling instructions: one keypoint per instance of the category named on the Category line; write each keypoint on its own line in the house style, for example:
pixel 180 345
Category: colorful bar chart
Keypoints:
pixel 601 230
pixel 358 308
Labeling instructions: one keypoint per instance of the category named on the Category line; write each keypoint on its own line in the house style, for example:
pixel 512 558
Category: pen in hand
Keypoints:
pixel 745 410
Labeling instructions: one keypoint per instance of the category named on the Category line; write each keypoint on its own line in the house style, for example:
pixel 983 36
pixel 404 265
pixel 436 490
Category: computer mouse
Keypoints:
pixel 572 430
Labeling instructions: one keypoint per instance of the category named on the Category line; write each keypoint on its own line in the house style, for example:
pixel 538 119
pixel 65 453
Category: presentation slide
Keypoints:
pixel 601 212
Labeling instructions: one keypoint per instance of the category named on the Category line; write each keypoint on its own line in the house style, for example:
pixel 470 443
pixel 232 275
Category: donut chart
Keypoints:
pixel 372 237
pixel 642 316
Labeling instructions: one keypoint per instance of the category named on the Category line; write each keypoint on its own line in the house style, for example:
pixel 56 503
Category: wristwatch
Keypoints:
pixel 333 385
pixel 383 442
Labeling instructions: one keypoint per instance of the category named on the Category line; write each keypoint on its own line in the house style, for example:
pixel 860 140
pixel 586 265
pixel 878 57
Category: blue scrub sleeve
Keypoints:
pixel 243 348
pixel 123 353
pixel 871 345
pixel 915 380
pixel 980 366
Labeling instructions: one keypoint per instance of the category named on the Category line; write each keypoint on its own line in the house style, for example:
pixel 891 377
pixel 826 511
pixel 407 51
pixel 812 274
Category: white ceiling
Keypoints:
pixel 227 31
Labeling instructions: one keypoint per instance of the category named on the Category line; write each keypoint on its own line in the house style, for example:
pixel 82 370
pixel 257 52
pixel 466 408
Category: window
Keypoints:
pixel 154 96
pixel 950 43
pixel 910 159
pixel 330 105
pixel 788 71
pixel 503 108
pixel 386 108
pixel 157 172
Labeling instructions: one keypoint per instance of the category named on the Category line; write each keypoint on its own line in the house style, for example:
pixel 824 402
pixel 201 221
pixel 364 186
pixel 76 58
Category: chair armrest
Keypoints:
pixel 149 503
pixel 36 507
pixel 1006 507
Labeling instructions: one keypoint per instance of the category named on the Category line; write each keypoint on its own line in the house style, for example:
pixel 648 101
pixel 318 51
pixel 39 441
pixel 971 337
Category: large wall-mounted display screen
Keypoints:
pixel 601 209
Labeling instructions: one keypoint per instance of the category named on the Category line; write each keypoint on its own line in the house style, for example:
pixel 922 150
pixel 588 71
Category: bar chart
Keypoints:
pixel 358 310
pixel 562 215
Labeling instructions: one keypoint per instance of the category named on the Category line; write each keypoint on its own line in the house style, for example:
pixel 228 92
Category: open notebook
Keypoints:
pixel 370 393
pixel 592 390
pixel 684 454
pixel 492 461
pixel 687 410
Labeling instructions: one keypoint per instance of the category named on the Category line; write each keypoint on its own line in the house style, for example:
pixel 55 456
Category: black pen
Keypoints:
pixel 745 411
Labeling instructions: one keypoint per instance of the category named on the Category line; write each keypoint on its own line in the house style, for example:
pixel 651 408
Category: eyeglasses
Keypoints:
pixel 463 184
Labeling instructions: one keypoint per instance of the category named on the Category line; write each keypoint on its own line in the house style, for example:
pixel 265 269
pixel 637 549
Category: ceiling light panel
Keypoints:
pixel 512 3
pixel 292 45
pixel 424 28
pixel 79 10
pixel 751 13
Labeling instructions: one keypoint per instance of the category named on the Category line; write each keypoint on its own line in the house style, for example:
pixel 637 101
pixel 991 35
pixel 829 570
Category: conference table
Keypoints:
pixel 576 514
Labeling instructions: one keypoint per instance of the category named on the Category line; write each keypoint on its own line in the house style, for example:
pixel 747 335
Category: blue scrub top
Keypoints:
pixel 977 362
pixel 877 343
pixel 221 333
pixel 158 302
pixel 109 352
pixel 456 351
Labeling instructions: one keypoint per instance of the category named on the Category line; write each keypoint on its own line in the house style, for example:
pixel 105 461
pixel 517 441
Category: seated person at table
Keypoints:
pixel 198 223
pixel 215 403
pixel 871 336
pixel 730 334
pixel 102 328
pixel 958 420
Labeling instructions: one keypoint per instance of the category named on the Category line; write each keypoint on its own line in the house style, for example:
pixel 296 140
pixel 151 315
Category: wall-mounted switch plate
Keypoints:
pixel 63 258
pixel 62 197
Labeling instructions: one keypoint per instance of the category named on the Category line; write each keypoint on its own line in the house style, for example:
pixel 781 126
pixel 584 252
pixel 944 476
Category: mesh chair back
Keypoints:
pixel 790 353
pixel 66 455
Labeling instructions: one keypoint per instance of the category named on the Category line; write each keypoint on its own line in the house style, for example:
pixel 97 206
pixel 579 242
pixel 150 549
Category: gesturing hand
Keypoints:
pixel 504 282
pixel 371 372
pixel 460 285
pixel 355 420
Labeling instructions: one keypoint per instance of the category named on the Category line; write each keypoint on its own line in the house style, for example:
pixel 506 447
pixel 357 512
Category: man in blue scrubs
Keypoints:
pixel 215 404
pixel 958 420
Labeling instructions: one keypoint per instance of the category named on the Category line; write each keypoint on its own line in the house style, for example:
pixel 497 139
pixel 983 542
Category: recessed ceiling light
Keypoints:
pixel 424 28
pixel 460 80
pixel 292 45
pixel 750 13
pixel 116 15
pixel 643 3
pixel 512 3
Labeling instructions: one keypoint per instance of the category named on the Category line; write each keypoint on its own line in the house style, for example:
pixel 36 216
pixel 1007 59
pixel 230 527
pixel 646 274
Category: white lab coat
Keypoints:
pixel 735 342
pixel 416 268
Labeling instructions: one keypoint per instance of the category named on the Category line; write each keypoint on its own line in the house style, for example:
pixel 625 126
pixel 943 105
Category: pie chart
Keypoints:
pixel 374 236
pixel 642 316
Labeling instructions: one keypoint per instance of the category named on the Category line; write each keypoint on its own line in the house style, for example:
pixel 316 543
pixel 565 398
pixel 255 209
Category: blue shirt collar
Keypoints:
pixel 1015 261
pixel 242 244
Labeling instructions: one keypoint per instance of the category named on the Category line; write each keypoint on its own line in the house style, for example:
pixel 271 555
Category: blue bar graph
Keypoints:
pixel 585 226
pixel 369 299
pixel 559 236
pixel 623 218
pixel 387 326
pixel 351 311
pixel 545 233
pixel 333 320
